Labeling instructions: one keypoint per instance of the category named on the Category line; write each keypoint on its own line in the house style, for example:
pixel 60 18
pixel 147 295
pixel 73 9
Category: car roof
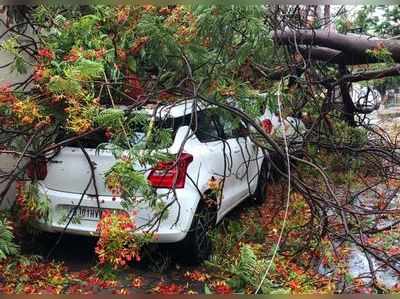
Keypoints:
pixel 175 110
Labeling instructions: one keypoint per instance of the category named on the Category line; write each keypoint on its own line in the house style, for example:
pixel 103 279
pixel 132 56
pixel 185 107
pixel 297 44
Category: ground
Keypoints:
pixel 243 245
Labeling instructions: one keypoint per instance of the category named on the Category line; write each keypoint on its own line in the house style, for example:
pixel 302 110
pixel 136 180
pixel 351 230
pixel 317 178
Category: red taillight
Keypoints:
pixel 267 126
pixel 170 174
pixel 37 169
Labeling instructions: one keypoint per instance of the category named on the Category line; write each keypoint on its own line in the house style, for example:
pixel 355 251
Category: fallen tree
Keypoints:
pixel 88 63
pixel 337 48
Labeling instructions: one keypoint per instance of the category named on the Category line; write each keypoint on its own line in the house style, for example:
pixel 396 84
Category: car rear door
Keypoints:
pixel 242 154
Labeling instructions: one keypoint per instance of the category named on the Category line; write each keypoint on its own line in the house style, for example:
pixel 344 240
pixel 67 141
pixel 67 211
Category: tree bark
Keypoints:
pixel 371 75
pixel 348 105
pixel 352 47
pixel 334 56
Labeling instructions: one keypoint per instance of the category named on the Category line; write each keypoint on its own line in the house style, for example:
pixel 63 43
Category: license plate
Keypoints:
pixel 86 213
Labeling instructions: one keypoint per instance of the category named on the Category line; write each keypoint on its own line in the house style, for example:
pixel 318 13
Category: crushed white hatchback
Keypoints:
pixel 214 146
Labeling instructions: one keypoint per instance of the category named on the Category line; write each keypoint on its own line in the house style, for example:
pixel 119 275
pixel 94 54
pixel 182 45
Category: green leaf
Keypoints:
pixel 112 118
pixel 132 64
pixel 207 290
pixel 20 65
pixel 85 69
pixel 10 46
pixel 86 23
pixel 60 85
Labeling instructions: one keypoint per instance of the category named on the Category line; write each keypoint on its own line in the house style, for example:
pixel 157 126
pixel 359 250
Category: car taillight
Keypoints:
pixel 37 169
pixel 170 174
pixel 267 125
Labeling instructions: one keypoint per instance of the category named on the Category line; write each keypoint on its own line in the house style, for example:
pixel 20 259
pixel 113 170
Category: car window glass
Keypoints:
pixel 166 124
pixel 207 129
pixel 231 125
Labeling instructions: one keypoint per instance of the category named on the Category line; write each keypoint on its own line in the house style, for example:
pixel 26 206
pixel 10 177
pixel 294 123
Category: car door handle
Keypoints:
pixel 236 151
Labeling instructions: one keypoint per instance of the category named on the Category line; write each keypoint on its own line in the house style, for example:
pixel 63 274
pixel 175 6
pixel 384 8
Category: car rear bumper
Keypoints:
pixel 171 229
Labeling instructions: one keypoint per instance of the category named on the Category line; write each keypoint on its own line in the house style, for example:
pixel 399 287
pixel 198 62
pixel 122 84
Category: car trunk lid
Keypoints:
pixel 70 171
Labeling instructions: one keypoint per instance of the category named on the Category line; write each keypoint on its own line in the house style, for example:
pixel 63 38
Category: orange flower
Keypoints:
pixel 294 285
pixel 122 54
pixel 137 282
pixel 135 88
pixel 196 276
pixel 27 120
pixel 40 72
pixel 28 112
pixel 117 245
pixel 122 14
pixel 164 11
pixel 46 53
pixel 73 55
pixel 214 184
pixel 221 287
pixel 100 53
pixel 138 45
pixel 148 7
pixel 169 289
pixel 6 95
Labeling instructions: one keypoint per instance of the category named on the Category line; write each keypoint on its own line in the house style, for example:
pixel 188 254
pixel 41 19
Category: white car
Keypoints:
pixel 293 129
pixel 217 147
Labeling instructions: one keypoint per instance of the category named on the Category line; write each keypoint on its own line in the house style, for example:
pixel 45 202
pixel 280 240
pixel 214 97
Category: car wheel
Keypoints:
pixel 197 247
pixel 260 195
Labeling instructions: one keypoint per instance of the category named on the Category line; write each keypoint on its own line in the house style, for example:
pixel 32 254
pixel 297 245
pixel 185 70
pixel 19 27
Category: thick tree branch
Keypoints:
pixel 353 47
pixel 334 56
pixel 371 75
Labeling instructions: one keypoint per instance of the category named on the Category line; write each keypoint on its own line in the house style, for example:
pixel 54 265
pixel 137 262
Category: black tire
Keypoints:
pixel 278 162
pixel 260 195
pixel 197 247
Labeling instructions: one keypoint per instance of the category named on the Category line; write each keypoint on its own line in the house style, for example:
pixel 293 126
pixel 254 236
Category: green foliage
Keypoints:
pixel 381 54
pixel 59 85
pixel 374 20
pixel 349 136
pixel 7 245
pixel 85 70
pixel 31 206
pixel 228 234
pixel 93 57
pixel 10 46
pixel 248 270
pixel 132 182
pixel 110 118
pixel 20 65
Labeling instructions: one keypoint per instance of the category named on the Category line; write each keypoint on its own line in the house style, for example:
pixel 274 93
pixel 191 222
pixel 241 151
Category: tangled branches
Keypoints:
pixel 347 173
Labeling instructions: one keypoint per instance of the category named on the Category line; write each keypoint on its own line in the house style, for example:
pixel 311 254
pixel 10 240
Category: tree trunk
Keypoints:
pixel 348 105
